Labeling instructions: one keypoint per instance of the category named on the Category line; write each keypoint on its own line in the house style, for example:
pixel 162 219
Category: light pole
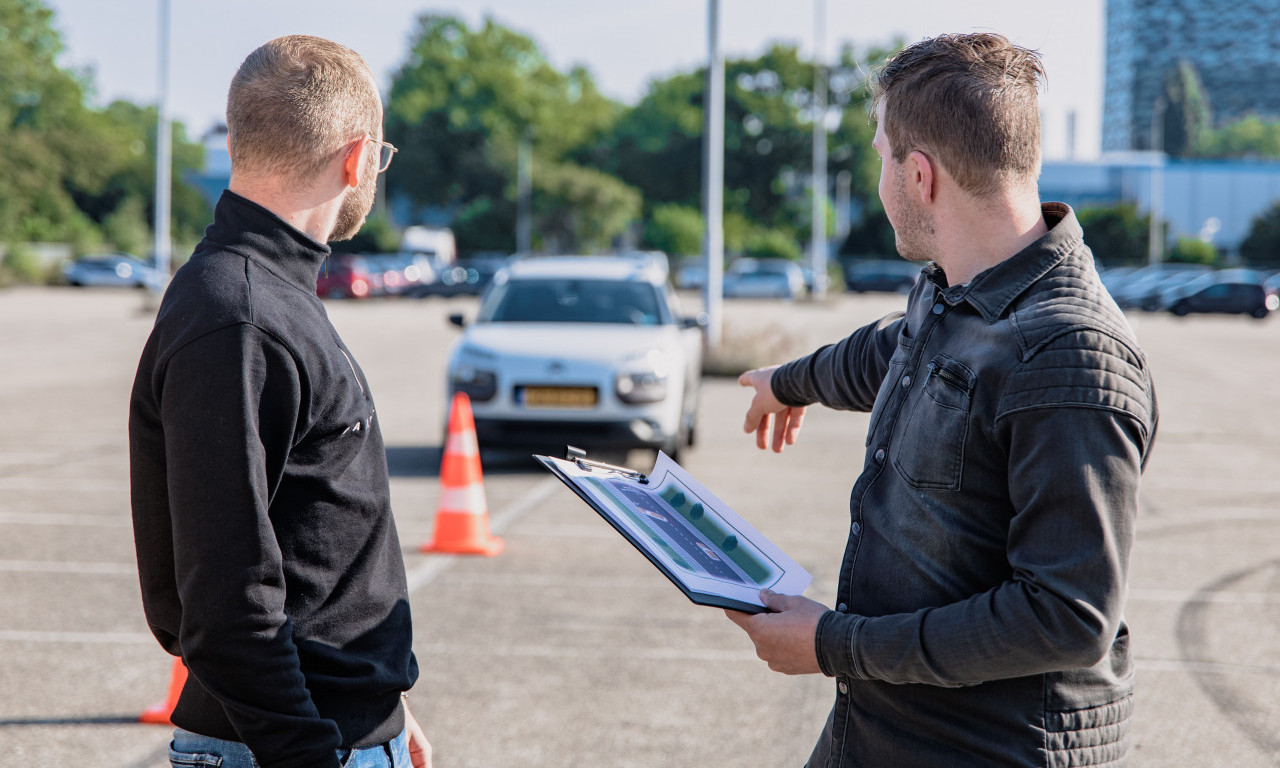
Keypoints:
pixel 713 178
pixel 164 152
pixel 524 194
pixel 1155 232
pixel 818 228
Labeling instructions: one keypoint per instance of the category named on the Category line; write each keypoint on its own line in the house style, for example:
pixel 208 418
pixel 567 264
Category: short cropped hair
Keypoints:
pixel 296 101
pixel 969 101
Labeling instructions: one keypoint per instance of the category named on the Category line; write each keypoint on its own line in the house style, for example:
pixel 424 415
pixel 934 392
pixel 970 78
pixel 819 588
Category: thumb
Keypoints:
pixel 746 379
pixel 774 601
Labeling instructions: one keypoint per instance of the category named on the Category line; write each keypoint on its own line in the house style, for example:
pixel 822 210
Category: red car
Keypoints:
pixel 345 277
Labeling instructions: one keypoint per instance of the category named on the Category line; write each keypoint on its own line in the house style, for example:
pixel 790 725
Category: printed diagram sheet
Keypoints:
pixel 708 551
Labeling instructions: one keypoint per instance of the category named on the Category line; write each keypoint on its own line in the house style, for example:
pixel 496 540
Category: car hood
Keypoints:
pixel 582 341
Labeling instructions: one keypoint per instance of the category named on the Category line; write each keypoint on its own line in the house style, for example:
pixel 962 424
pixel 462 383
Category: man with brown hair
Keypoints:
pixel 980 616
pixel 267 552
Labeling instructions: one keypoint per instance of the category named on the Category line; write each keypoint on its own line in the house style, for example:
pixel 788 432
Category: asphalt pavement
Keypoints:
pixel 569 649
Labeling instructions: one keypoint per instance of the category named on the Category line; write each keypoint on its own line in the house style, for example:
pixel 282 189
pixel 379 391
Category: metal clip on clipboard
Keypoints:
pixel 579 457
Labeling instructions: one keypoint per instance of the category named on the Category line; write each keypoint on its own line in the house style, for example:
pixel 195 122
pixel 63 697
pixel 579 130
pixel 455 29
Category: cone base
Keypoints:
pixel 463 533
pixel 490 548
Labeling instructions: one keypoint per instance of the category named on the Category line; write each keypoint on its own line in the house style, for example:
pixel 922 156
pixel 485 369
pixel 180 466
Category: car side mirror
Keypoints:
pixel 700 320
pixel 458 319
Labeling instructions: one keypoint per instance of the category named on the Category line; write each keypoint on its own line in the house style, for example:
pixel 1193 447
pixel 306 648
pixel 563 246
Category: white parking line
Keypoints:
pixel 63 484
pixel 104 520
pixel 426 572
pixel 68 566
pixel 91 638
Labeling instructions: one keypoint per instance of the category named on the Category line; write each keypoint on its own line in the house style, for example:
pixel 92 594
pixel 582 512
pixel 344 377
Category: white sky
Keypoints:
pixel 624 45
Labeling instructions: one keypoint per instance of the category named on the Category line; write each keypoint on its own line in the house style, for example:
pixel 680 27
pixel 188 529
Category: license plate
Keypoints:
pixel 559 397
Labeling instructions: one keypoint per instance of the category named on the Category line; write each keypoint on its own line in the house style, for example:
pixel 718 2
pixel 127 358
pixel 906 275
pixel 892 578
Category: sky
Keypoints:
pixel 624 45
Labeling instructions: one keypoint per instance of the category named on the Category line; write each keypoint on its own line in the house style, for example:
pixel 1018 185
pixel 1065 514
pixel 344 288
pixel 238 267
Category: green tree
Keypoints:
pixel 656 146
pixel 1262 245
pixel 458 109
pixel 1250 137
pixel 675 229
pixel 1187 116
pixel 1116 234
pixel 1193 250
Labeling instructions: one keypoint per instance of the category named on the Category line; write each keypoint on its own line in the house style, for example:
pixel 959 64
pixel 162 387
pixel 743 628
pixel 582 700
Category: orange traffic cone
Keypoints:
pixel 160 713
pixel 462 515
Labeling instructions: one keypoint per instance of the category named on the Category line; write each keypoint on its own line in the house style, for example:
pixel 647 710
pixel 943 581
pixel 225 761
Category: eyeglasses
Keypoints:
pixel 386 151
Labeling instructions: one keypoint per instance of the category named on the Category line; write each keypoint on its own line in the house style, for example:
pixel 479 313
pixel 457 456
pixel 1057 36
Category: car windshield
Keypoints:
pixel 574 301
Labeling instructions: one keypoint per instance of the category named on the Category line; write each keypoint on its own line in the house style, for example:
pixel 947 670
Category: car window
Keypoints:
pixel 575 301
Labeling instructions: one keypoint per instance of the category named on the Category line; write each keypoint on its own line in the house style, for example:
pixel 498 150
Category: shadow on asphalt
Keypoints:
pixel 424 461
pixel 104 720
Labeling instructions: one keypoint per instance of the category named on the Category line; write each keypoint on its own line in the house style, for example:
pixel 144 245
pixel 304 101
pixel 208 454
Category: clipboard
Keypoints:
pixel 701 545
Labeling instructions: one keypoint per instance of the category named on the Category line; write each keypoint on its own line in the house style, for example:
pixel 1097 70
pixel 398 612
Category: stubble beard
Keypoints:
pixel 914 234
pixel 356 205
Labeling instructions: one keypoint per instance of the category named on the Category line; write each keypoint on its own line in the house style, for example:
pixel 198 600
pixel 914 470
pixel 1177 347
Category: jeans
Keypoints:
pixel 191 750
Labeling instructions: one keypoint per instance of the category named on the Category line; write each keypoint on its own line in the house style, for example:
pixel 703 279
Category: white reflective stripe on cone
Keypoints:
pixel 462 444
pixel 469 499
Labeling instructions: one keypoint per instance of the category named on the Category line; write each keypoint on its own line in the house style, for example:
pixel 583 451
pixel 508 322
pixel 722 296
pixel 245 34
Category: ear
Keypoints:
pixel 922 175
pixel 354 162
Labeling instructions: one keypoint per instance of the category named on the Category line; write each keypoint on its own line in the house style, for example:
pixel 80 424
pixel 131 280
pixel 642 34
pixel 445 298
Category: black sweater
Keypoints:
pixel 267 552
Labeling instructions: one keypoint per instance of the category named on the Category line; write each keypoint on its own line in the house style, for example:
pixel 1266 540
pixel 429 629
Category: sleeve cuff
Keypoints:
pixel 833 643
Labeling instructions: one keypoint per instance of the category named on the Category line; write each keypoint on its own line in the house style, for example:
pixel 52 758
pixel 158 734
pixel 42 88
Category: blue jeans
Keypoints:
pixel 191 750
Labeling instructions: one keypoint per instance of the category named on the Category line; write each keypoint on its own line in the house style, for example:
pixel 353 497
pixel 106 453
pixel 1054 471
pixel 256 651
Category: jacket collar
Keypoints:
pixel 247 228
pixel 992 291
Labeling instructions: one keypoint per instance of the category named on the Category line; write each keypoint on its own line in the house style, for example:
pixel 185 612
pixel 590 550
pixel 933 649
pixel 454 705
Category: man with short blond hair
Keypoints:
pixel 980 615
pixel 267 553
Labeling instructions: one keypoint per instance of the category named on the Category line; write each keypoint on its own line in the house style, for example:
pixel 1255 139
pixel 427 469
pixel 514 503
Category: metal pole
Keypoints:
pixel 524 195
pixel 713 177
pixel 818 230
pixel 1155 234
pixel 164 152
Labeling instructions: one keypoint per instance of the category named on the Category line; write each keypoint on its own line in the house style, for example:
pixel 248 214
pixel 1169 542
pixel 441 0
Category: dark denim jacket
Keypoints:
pixel 981 598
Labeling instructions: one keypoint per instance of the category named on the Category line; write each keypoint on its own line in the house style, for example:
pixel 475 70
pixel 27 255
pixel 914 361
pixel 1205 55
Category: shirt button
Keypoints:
pixel 937 309
pixel 879 454
pixel 843 688
pixel 856 528
pixel 842 607
pixel 906 381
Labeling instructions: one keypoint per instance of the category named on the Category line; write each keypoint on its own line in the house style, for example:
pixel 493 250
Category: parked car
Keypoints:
pixel 346 276
pixel 114 270
pixel 893 275
pixel 588 351
pixel 1143 288
pixel 692 275
pixel 466 278
pixel 1228 294
pixel 763 278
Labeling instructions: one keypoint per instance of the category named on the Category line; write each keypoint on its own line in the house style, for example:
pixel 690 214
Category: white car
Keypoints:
pixel 580 350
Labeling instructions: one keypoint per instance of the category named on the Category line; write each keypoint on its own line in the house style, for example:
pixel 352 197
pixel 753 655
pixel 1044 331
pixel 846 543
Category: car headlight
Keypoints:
pixel 478 384
pixel 644 378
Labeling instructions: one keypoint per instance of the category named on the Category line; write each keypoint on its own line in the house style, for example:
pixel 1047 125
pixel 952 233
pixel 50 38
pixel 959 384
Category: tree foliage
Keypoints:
pixel 1116 234
pixel 72 173
pixel 458 109
pixel 1193 250
pixel 1262 244
pixel 656 146
pixel 1187 116
pixel 1249 137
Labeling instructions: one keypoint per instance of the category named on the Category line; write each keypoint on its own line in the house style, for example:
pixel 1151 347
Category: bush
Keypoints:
pixel 675 229
pixel 1193 250
pixel 1116 234
pixel 772 244
pixel 20 265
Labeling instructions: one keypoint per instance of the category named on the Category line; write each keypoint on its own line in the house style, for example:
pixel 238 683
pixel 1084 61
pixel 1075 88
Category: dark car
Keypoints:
pixel 892 275
pixel 1229 297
